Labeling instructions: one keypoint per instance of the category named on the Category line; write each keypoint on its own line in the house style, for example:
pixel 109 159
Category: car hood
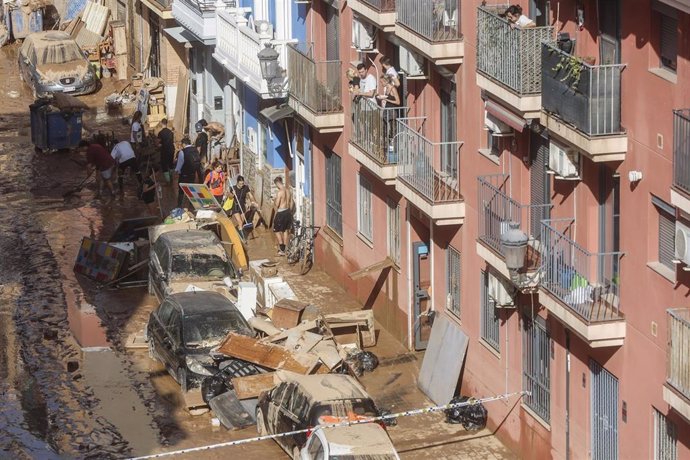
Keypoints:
pixel 194 285
pixel 365 438
pixel 54 72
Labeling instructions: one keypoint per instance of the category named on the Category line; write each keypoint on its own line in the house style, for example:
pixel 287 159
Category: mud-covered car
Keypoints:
pixel 181 258
pixel 301 402
pixel 365 441
pixel 185 327
pixel 52 62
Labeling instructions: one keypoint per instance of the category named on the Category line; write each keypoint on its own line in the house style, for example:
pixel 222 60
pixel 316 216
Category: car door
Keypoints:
pixel 170 342
pixel 174 332
pixel 159 267
pixel 273 407
pixel 291 409
pixel 157 326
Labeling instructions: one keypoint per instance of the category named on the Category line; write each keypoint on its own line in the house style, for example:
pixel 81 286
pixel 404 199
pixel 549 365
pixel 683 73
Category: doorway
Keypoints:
pixel 421 296
pixel 604 412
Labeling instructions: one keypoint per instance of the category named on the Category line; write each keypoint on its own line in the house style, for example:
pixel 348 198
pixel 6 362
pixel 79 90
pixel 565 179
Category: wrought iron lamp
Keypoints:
pixel 514 246
pixel 270 69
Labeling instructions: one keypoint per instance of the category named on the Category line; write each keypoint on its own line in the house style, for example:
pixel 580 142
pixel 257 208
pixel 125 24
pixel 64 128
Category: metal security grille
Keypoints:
pixel 366 221
pixel 332 33
pixel 536 376
pixel 681 149
pixel 394 231
pixel 334 201
pixel 490 325
pixel 667 231
pixel 665 438
pixel 539 182
pixel 604 412
pixel 453 280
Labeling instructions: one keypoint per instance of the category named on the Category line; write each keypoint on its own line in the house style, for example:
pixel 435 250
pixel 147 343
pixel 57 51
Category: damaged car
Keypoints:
pixel 302 402
pixel 364 441
pixel 52 62
pixel 184 329
pixel 189 260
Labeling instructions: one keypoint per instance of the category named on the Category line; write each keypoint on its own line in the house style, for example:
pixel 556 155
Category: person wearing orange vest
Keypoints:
pixel 215 180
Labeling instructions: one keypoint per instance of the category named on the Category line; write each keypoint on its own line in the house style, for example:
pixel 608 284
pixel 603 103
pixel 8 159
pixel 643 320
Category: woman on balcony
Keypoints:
pixel 390 102
pixel 518 20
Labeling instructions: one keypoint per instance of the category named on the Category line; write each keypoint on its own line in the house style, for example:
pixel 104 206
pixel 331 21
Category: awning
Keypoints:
pixel 505 115
pixel 277 112
pixel 181 35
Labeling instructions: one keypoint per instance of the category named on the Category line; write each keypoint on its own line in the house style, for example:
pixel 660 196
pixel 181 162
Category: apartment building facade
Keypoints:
pixel 533 188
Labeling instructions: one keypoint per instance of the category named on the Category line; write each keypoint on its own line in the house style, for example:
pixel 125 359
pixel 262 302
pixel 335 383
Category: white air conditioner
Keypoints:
pixel 496 126
pixel 410 62
pixel 363 36
pixel 564 162
pixel 498 292
pixel 682 243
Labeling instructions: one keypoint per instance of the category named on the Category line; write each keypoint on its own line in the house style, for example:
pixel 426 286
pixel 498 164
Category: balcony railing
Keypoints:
pixel 510 56
pixel 316 84
pixel 587 96
pixel 435 20
pixel 678 351
pixel 431 168
pixel 374 129
pixel 384 6
pixel 588 283
pixel 497 210
pixel 205 6
pixel 681 149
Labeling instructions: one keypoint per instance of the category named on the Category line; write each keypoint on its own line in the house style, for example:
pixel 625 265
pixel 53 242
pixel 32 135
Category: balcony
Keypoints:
pixel 677 388
pixel 237 47
pixel 582 104
pixel 509 60
pixel 680 193
pixel 372 141
pixel 315 88
pixel 496 211
pixel 379 12
pixel 199 16
pixel 429 175
pixel 581 288
pixel 432 27
pixel 162 8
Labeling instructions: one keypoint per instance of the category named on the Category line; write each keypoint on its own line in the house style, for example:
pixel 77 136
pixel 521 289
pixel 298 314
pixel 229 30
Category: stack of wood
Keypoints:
pixel 118 33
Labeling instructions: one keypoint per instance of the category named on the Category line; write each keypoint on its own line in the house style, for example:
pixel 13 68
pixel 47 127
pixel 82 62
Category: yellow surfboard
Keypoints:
pixel 228 234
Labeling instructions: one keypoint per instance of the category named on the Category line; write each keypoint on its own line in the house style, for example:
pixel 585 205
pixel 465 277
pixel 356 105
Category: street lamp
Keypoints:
pixel 268 59
pixel 514 247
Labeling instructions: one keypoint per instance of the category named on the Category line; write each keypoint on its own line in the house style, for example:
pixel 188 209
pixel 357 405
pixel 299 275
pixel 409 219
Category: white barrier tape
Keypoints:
pixel 426 410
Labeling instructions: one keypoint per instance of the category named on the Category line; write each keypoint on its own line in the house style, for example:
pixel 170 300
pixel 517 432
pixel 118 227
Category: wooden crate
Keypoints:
pixel 121 63
pixel 287 313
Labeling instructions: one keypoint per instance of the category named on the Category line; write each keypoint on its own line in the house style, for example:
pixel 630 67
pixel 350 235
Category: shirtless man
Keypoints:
pixel 283 204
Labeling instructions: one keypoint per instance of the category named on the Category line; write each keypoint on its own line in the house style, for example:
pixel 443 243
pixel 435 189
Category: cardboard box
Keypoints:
pixel 287 313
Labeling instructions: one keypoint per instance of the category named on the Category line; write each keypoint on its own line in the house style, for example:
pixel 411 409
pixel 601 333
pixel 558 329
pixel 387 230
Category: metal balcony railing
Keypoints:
pixel 435 20
pixel 316 84
pixel 587 96
pixel 431 168
pixel 382 6
pixel 681 149
pixel 374 129
pixel 678 350
pixel 497 210
pixel 206 6
pixel 588 283
pixel 511 56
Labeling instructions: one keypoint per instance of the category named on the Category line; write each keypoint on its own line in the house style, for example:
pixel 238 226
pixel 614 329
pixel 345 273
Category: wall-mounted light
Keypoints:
pixel 514 246
pixel 271 70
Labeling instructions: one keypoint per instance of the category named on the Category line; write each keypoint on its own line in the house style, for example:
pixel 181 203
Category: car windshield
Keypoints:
pixel 361 407
pixel 58 53
pixel 201 266
pixel 208 329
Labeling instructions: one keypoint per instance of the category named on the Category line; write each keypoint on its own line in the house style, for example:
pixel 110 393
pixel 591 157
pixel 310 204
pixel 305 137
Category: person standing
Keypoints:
pixel 241 192
pixel 136 130
pixel 201 141
pixel 215 180
pixel 283 204
pixel 167 145
pixel 188 167
pixel 98 158
pixel 124 156
pixel 148 193
pixel 389 70
pixel 367 83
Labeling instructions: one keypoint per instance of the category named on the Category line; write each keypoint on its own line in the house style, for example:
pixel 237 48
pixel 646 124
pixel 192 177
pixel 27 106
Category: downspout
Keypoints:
pixel 567 394
pixel 410 308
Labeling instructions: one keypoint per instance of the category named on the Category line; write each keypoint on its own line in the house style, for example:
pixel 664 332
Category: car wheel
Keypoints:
pixel 151 290
pixel 182 379
pixel 295 453
pixel 260 424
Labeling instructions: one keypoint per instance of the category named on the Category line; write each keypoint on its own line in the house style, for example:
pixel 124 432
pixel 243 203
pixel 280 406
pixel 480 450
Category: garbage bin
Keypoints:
pixel 53 128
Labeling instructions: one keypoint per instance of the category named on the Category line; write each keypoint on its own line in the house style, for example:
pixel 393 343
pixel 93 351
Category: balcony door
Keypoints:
pixel 449 153
pixel 539 11
pixel 608 14
pixel 609 227
pixel 540 185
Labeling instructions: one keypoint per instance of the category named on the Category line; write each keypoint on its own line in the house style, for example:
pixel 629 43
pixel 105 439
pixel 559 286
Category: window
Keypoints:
pixel 394 231
pixel 315 448
pixel 492 143
pixel 664 438
pixel 668 42
pixel 334 203
pixel 667 232
pixel 535 366
pixel 365 224
pixel 453 280
pixel 490 325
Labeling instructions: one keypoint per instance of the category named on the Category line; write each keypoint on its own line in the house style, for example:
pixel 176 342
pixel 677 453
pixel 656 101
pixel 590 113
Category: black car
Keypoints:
pixel 182 257
pixel 300 401
pixel 185 327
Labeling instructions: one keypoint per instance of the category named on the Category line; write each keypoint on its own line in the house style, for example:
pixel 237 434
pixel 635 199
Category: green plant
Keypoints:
pixel 572 66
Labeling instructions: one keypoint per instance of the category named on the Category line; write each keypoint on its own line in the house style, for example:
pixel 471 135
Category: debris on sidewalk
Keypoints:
pixel 267 355
pixel 287 313
pixel 472 417
pixel 252 386
pixel 231 413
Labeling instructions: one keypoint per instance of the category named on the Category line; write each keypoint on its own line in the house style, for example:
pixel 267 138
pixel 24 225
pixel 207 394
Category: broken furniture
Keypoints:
pixel 267 355
pixel 287 312
pixel 353 327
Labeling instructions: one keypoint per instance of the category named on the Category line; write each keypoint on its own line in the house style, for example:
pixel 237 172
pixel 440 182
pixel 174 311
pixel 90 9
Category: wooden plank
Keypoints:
pixel 327 351
pixel 121 63
pixel 363 320
pixel 301 341
pixel 251 386
pixel 136 341
pixel 180 118
pixel 263 354
pixel 381 265
pixel 119 37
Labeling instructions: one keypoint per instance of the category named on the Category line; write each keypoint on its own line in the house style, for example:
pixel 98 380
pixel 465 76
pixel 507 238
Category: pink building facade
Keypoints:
pixel 570 135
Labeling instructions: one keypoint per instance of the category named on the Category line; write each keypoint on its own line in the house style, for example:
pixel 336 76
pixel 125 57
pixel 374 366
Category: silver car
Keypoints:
pixel 52 62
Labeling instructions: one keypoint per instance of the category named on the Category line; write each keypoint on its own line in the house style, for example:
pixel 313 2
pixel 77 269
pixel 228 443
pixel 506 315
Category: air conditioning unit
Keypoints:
pixel 363 36
pixel 411 63
pixel 682 243
pixel 499 293
pixel 564 162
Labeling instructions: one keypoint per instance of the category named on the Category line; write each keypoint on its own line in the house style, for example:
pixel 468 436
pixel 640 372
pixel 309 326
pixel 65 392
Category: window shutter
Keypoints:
pixel 539 181
pixel 332 34
pixel 667 231
pixel 668 40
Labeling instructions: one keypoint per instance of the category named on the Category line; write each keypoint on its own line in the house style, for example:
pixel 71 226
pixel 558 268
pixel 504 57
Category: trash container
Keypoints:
pixel 53 128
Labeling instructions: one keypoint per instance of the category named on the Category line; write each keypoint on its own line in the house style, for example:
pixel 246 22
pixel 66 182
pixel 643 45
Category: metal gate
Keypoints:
pixel 604 412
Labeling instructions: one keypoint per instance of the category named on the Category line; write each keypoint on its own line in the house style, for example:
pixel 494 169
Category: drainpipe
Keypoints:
pixel 410 308
pixel 567 394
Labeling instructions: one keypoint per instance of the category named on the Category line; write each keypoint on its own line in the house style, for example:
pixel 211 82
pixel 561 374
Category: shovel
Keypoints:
pixel 78 188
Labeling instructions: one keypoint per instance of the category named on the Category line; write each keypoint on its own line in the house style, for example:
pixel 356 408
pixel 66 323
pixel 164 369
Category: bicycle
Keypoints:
pixel 301 246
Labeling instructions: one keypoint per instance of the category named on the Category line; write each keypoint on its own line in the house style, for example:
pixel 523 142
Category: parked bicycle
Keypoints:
pixel 301 246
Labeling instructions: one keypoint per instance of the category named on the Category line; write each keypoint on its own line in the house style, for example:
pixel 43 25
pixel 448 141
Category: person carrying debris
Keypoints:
pixel 283 204
pixel 97 157
pixel 241 192
pixel 124 156
pixel 188 167
pixel 167 144
pixel 215 180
